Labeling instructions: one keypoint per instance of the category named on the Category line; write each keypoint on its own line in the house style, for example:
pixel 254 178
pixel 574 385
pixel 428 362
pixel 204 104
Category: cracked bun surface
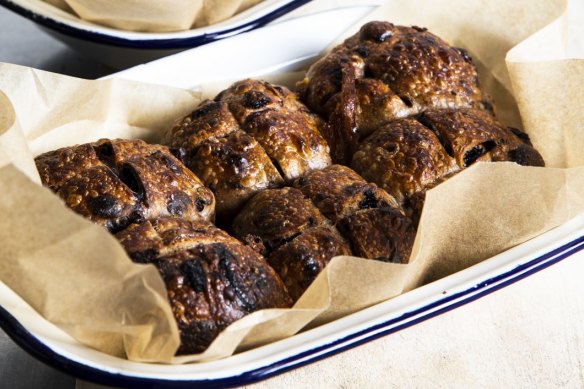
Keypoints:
pixel 211 278
pixel 338 191
pixel 386 72
pixel 117 182
pixel 278 140
pixel 328 212
pixel 406 157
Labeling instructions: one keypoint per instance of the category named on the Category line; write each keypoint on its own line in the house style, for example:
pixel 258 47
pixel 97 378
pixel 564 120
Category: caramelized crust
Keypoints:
pixel 403 157
pixel 471 135
pixel 382 233
pixel 293 145
pixel 99 195
pixel 286 132
pixel 59 166
pixel 117 182
pixel 211 278
pixel 277 216
pixel 298 240
pixel 155 238
pixel 299 261
pixel 168 187
pixel 407 157
pixel 119 151
pixel 211 120
pixel 287 224
pixel 339 191
pixel 386 72
pixel 234 168
pixel 367 216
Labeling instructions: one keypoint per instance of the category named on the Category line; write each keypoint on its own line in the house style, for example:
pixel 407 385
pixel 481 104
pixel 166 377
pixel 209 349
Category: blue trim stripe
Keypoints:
pixel 168 44
pixel 417 316
pixel 30 344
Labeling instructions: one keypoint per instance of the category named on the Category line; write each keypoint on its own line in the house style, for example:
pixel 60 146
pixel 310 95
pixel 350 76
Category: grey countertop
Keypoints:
pixel 23 43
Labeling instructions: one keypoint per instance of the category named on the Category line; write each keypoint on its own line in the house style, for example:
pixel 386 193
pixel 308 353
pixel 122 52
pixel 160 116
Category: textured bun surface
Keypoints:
pixel 212 279
pixel 386 72
pixel 118 182
pixel 278 139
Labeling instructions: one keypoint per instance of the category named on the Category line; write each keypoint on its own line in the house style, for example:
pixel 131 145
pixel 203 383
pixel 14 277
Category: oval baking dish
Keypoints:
pixel 119 48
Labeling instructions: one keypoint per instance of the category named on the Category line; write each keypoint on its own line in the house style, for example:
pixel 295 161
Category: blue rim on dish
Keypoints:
pixel 42 352
pixel 170 43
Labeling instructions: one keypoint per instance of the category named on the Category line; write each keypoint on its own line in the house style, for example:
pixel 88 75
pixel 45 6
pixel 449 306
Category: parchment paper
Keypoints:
pixel 154 15
pixel 60 263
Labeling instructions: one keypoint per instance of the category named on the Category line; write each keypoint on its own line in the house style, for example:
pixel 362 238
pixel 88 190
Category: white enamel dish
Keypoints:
pixel 121 49
pixel 52 346
pixel 285 46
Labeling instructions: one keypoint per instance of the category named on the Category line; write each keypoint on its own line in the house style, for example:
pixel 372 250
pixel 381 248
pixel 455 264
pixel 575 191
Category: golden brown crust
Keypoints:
pixel 299 241
pixel 295 146
pixel 339 191
pixel 471 135
pixel 299 261
pixel 378 104
pixel 117 182
pixel 386 72
pixel 403 157
pixel 382 233
pixel 407 157
pixel 277 216
pixel 212 279
pixel 288 134
pixel 57 167
pixel 210 120
pixel 234 168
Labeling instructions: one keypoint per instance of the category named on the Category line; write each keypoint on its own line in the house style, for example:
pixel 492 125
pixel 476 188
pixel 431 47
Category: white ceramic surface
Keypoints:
pixel 281 47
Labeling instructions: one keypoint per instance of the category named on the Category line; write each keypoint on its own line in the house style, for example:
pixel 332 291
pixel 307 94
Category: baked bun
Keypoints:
pixel 471 135
pixel 235 167
pixel 298 225
pixel 277 216
pixel 406 157
pixel 385 234
pixel 252 136
pixel 367 216
pixel 211 278
pixel 117 182
pixel 300 261
pixel 298 240
pixel 338 191
pixel 386 72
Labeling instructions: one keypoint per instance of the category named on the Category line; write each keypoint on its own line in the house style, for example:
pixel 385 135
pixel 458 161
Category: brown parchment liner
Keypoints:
pixel 77 276
pixel 153 15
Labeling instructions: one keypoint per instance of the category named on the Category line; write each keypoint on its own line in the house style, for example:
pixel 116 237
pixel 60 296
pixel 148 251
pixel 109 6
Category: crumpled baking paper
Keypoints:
pixel 62 264
pixel 154 15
